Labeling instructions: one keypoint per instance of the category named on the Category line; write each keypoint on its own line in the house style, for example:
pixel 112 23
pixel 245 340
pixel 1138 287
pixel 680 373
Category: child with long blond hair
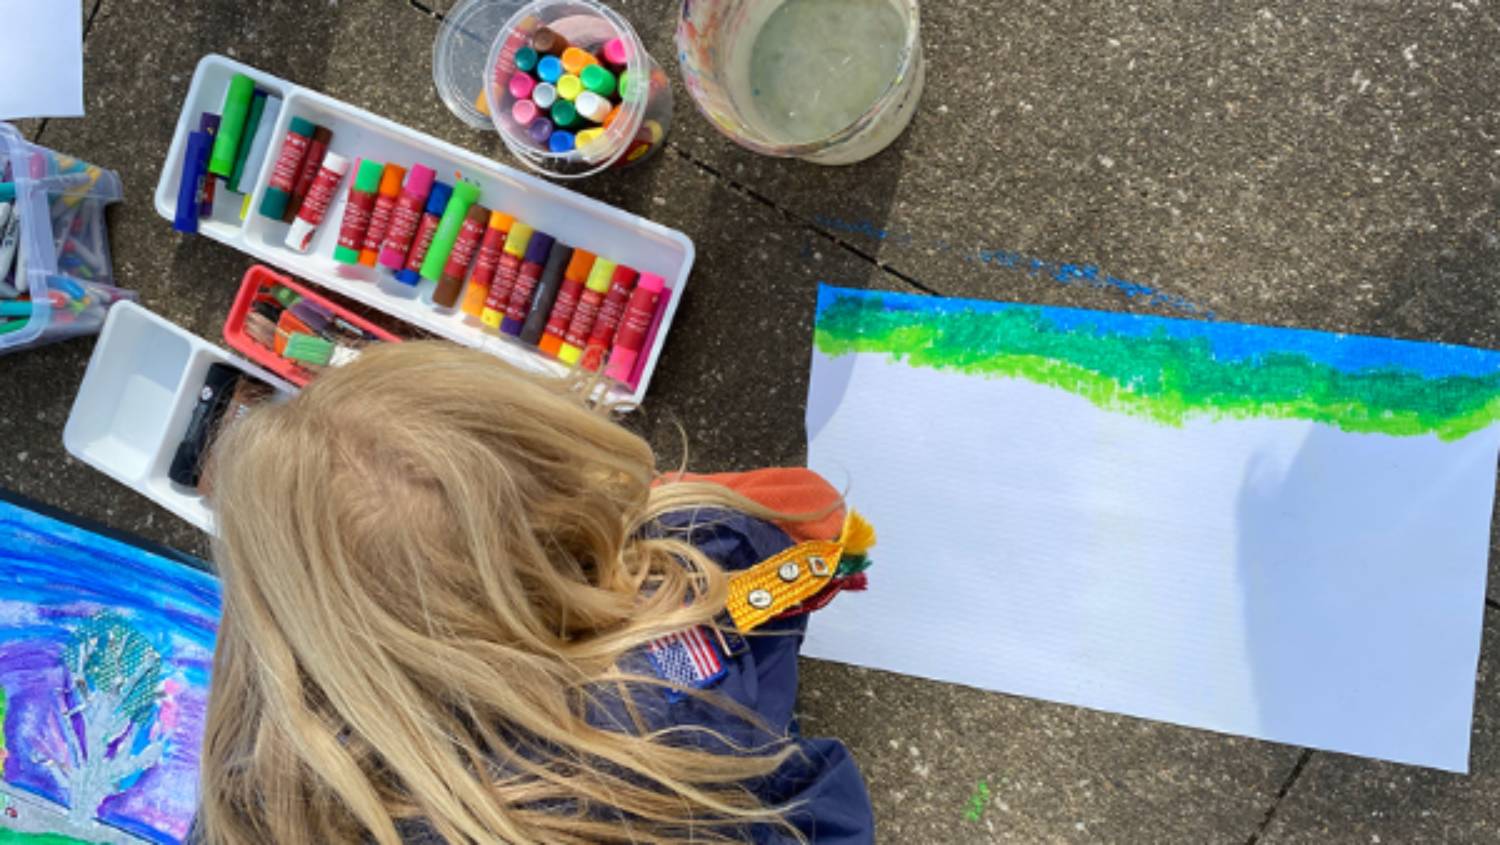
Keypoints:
pixel 453 599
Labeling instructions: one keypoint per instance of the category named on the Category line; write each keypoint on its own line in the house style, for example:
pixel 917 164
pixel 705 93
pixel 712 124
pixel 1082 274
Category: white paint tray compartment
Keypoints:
pixel 574 219
pixel 136 400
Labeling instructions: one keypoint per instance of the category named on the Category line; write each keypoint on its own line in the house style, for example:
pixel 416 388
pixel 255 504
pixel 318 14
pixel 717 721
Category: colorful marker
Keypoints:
pixel 380 218
pixel 549 69
pixel 602 336
pixel 635 324
pixel 540 307
pixel 469 235
pixel 564 114
pixel 598 80
pixel 406 216
pixel 490 250
pixel 464 197
pixel 547 42
pixel 540 130
pixel 437 202
pixel 586 312
pixel 194 170
pixel 231 125
pixel 616 52
pixel 252 126
pixel 543 96
pixel 526 59
pixel 521 84
pixel 527 279
pixel 524 112
pixel 288 167
pixel 358 209
pixel 319 197
pixel 322 137
pixel 568 293
pixel 560 142
pixel 593 107
pixel 569 87
pixel 496 301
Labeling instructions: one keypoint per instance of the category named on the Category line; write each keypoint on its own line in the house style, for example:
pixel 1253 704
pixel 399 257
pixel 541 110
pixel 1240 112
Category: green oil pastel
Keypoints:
pixel 1159 377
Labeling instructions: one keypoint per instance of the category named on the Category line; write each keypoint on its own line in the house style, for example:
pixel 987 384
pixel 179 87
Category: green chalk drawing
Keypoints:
pixel 977 802
pixel 1165 377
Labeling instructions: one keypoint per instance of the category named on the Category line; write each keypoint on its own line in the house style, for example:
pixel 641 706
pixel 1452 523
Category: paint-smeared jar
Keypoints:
pixel 829 81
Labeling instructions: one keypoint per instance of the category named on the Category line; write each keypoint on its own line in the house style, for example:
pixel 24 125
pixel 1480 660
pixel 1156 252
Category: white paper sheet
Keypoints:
pixel 41 60
pixel 1273 577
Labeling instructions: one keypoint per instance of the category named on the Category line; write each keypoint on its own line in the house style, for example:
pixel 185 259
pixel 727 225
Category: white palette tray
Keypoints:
pixel 136 400
pixel 572 218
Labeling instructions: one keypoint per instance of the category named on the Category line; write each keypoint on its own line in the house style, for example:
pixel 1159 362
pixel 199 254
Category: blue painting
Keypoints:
pixel 105 651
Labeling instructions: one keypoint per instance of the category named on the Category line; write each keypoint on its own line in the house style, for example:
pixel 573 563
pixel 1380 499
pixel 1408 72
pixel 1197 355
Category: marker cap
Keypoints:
pixel 617 52
pixel 538 248
pixel 603 271
pixel 301 229
pixel 366 181
pixel 549 68
pixel 518 238
pixel 560 142
pixel 592 106
pixel 419 181
pixel 588 136
pixel 526 59
pixel 521 84
pixel 502 221
pixel 575 60
pixel 546 40
pixel 466 193
pixel 569 87
pixel 564 114
pixel 438 199
pixel 390 179
pixel 524 112
pixel 579 265
pixel 540 130
pixel 273 203
pixel 227 139
pixel 597 79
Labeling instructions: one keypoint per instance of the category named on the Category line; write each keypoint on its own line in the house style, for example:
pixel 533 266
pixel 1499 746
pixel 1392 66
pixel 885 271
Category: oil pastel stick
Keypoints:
pixel 513 254
pixel 260 151
pixel 231 125
pixel 490 250
pixel 527 279
pixel 194 164
pixel 288 166
pixel 640 362
pixel 546 293
pixel 586 312
pixel 602 335
pixel 437 202
pixel 322 137
pixel 380 218
pixel 635 324
pixel 247 140
pixel 406 216
pixel 464 197
pixel 457 265
pixel 208 123
pixel 358 209
pixel 568 293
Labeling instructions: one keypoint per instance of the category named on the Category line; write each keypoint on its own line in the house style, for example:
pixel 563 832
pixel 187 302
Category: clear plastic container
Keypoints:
pixel 460 52
pixel 645 109
pixel 716 48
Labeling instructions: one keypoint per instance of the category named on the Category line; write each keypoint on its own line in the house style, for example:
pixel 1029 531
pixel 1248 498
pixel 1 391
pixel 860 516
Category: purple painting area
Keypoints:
pixel 57 581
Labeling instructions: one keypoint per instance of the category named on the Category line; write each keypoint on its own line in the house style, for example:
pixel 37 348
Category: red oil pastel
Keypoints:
pixel 621 284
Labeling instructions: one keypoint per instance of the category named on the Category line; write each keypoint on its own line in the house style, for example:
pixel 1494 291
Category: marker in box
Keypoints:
pixel 288 167
pixel 464 197
pixel 315 206
pixel 358 210
pixel 231 125
pixel 514 253
pixel 252 126
pixel 260 151
pixel 527 279
pixel 586 312
pixel 380 219
pixel 540 306
pixel 469 235
pixel 598 80
pixel 634 326
pixel 209 123
pixel 602 336
pixel 406 216
pixel 437 201
pixel 490 250
pixel 194 169
pixel 579 268
pixel 322 138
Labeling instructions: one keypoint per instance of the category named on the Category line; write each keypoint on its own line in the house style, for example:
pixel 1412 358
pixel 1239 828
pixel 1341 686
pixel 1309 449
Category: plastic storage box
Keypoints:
pixel 576 220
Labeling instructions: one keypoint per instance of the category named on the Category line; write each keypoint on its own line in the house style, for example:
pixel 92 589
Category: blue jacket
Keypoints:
pixel 836 806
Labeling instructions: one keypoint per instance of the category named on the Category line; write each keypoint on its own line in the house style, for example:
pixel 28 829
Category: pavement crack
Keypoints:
pixel 88 24
pixel 797 219
pixel 425 9
pixel 1286 787
pixel 1492 604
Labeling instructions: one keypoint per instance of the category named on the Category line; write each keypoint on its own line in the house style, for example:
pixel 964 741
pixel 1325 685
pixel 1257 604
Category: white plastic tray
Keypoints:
pixel 572 218
pixel 136 400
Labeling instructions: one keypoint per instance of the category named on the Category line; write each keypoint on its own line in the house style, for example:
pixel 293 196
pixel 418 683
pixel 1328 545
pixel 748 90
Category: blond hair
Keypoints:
pixel 432 563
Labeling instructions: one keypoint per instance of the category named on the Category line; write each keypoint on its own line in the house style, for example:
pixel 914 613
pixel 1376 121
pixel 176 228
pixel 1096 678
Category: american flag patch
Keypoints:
pixel 686 657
